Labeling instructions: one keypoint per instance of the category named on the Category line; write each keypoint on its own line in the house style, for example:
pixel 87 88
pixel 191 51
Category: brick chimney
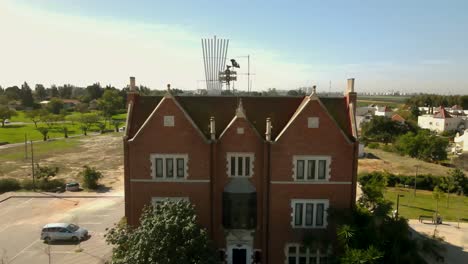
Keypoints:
pixel 132 84
pixel 132 94
pixel 351 95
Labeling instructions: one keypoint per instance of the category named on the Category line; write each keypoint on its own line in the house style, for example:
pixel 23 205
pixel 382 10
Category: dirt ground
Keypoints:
pixel 379 160
pixel 104 152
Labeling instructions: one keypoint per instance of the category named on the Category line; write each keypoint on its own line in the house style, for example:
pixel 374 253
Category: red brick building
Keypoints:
pixel 261 171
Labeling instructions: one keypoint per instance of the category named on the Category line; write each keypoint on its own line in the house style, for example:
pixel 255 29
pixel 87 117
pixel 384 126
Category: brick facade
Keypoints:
pixel 240 128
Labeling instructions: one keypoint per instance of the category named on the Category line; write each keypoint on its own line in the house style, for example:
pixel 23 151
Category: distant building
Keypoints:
pixel 383 111
pixel 441 120
pixel 398 118
pixel 461 142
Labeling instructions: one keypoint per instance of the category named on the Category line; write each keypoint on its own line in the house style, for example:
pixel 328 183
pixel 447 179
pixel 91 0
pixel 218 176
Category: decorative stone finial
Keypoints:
pixel 169 87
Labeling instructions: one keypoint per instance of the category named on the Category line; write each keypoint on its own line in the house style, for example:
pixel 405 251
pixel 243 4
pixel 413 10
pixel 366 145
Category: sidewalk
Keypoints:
pixel 455 239
pixel 82 194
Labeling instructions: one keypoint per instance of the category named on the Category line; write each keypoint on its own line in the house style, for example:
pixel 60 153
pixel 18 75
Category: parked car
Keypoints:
pixel 63 231
pixel 72 186
pixel 7 121
pixel 122 129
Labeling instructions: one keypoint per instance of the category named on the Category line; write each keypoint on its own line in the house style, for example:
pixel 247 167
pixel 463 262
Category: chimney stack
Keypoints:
pixel 132 84
pixel 268 129
pixel 350 85
pixel 212 128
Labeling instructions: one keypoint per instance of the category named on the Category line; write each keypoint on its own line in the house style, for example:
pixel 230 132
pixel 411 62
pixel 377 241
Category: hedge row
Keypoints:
pixel 11 184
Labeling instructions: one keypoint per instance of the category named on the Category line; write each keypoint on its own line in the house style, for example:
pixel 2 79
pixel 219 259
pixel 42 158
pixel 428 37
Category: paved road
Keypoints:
pixel 455 239
pixel 21 220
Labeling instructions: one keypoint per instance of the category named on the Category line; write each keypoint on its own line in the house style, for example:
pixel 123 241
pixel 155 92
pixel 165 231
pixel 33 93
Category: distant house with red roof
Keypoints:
pixel 398 118
pixel 261 171
pixel 441 120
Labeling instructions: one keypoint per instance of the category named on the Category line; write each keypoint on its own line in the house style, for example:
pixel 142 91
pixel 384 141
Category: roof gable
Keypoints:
pixel 199 109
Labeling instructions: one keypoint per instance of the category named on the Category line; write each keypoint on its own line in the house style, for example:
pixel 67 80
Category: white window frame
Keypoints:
pixel 155 200
pixel 238 155
pixel 308 254
pixel 315 158
pixel 325 203
pixel 164 157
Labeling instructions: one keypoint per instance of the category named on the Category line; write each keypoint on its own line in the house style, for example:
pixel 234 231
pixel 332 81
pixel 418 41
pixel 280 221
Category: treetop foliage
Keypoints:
pixel 168 234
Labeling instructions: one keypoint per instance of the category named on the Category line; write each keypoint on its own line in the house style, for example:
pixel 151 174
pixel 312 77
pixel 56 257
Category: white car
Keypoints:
pixel 63 231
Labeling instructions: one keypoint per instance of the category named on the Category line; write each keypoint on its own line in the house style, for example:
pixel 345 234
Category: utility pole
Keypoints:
pixel 25 146
pixel 32 166
pixel 415 176
pixel 398 204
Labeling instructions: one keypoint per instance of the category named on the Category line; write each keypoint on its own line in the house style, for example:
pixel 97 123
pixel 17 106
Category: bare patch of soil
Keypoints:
pixel 104 152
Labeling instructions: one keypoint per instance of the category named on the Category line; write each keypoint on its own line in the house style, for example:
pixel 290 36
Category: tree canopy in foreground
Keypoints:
pixel 168 234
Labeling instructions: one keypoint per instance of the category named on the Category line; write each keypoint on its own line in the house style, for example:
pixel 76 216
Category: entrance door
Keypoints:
pixel 239 256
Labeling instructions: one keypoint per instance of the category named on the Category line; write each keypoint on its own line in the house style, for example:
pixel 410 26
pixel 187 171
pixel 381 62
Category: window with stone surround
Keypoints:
pixel 309 213
pixel 169 166
pixel 298 254
pixel 311 168
pixel 240 164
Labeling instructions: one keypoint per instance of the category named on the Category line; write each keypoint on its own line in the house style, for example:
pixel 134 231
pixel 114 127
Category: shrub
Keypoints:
pixel 90 177
pixel 9 185
pixel 27 184
pixel 387 148
pixel 50 185
pixel 373 145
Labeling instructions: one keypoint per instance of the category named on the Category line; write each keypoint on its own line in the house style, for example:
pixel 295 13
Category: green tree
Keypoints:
pixel 53 91
pixel 6 113
pixel 35 115
pixel 13 93
pixel 44 131
pixel 437 194
pixel 447 184
pixel 90 177
pixel 110 102
pixel 383 129
pixel 87 120
pixel 372 185
pixel 422 145
pixel 460 180
pixel 40 92
pixel 55 106
pixel 45 172
pixel 116 123
pixel 168 234
pixel 26 95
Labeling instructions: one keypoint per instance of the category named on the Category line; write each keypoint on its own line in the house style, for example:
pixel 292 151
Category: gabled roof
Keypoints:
pixel 442 113
pixel 223 108
pixel 398 118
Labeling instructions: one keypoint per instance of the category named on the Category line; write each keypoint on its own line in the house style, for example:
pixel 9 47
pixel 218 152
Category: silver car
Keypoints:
pixel 63 231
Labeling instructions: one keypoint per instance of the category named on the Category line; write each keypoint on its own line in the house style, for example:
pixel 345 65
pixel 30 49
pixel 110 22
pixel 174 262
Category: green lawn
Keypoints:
pixel 423 203
pixel 19 117
pixel 120 116
pixel 42 150
pixel 15 133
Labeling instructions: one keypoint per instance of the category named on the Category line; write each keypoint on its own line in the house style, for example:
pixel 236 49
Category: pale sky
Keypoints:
pixel 421 46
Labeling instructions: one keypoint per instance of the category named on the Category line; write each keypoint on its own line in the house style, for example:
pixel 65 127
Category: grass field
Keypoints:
pixel 392 101
pixel 380 160
pixel 41 150
pixel 15 133
pixel 423 203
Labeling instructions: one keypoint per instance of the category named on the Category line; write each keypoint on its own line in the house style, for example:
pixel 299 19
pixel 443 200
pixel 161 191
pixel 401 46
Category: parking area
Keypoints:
pixel 21 221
